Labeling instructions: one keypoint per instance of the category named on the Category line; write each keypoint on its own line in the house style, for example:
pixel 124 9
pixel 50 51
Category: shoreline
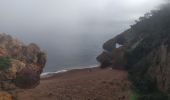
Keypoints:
pixel 51 74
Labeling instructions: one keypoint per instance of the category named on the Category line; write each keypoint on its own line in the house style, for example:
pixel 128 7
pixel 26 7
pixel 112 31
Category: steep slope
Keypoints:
pixel 145 54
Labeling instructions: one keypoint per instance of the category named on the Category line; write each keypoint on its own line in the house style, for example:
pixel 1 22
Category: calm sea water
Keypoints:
pixel 68 51
pixel 73 52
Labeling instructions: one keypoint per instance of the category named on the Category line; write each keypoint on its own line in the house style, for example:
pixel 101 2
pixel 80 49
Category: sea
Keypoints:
pixel 68 51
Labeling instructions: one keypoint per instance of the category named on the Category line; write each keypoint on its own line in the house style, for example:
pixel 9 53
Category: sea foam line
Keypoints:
pixel 49 74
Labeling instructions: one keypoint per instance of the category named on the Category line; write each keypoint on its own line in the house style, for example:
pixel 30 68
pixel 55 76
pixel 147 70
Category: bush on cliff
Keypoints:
pixel 5 63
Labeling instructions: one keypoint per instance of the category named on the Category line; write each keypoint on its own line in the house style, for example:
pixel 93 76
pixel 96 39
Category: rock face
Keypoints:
pixel 113 56
pixel 5 96
pixel 145 53
pixel 115 59
pixel 20 64
pixel 161 69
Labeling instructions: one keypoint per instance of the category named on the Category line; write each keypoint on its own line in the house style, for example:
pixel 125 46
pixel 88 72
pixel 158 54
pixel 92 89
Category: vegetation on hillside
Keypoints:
pixel 5 63
pixel 154 28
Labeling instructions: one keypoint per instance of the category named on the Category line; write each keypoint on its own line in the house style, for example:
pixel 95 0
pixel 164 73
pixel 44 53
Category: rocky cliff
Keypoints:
pixel 144 53
pixel 20 64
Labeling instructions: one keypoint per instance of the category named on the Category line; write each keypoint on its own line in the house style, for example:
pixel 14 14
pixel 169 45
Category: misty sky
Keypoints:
pixel 66 29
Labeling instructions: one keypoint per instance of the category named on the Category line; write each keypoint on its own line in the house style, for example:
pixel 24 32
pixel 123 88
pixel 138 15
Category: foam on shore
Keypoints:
pixel 49 74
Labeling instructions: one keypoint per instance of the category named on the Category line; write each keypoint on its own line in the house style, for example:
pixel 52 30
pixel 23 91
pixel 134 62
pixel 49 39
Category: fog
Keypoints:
pixel 70 31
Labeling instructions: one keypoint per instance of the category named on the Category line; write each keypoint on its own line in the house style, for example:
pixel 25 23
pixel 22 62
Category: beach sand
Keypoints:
pixel 81 84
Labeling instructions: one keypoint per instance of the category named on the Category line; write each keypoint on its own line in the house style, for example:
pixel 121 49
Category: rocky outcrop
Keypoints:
pixel 115 59
pixel 160 69
pixel 116 56
pixel 20 64
pixel 105 59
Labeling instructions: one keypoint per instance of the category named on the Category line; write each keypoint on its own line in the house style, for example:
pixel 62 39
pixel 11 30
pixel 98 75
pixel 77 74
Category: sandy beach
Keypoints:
pixel 81 84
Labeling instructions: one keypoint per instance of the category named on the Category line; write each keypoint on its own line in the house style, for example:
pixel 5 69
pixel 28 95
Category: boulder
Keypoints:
pixel 20 64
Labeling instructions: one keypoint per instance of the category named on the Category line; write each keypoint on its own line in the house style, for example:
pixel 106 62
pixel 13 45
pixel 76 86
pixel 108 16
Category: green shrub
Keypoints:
pixel 5 63
pixel 133 96
pixel 154 96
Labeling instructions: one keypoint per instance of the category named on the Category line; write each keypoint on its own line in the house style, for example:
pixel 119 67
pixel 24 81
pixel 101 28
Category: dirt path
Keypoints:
pixel 84 84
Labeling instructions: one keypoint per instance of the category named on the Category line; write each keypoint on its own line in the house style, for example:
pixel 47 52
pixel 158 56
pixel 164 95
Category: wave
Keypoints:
pixel 49 74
